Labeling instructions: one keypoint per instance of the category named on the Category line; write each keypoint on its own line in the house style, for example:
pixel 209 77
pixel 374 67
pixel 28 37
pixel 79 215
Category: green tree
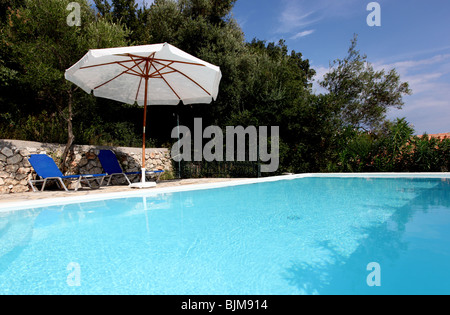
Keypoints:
pixel 40 46
pixel 189 26
pixel 276 92
pixel 128 13
pixel 363 94
pixel 215 11
pixel 262 83
pixel 6 5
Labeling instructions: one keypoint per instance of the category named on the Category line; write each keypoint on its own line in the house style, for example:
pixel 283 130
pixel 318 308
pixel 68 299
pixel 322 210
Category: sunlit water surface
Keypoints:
pixel 302 236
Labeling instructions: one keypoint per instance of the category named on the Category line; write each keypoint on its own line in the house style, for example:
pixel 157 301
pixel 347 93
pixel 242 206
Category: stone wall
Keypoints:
pixel 15 170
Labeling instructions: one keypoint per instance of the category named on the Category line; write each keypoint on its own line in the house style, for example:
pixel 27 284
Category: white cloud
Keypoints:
pixel 428 112
pixel 303 34
pixel 295 16
pixel 421 74
pixel 404 66
pixel 428 108
pixel 298 14
pixel 294 19
pixel 147 3
pixel 320 72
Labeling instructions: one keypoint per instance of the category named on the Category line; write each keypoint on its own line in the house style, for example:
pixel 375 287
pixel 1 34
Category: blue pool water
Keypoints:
pixel 302 236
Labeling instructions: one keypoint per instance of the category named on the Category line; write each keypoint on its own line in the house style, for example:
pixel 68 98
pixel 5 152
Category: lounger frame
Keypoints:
pixel 46 169
pixel 116 169
pixel 59 180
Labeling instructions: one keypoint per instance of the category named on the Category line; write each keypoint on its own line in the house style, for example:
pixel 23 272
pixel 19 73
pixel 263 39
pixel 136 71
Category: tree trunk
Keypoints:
pixel 70 136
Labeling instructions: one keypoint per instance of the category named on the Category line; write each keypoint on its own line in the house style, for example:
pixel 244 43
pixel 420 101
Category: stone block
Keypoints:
pixel 24 152
pixel 26 163
pixel 11 168
pixel 4 190
pixel 90 156
pixel 7 152
pixel 20 177
pixel 96 170
pixel 19 189
pixel 15 159
pixel 83 162
pixel 24 170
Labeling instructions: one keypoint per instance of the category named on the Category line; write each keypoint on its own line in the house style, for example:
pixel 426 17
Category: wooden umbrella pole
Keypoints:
pixel 146 77
pixel 143 133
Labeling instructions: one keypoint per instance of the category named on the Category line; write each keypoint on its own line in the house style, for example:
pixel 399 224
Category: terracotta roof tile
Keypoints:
pixel 440 136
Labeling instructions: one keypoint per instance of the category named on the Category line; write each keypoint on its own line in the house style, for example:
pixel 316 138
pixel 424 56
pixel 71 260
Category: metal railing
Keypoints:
pixel 215 169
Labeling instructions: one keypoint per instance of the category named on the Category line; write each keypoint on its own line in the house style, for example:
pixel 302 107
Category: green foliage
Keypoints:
pixel 111 134
pixel 430 155
pixel 5 5
pixel 263 84
pixel 44 127
pixel 394 150
pixel 363 94
pixel 38 46
pixel 127 13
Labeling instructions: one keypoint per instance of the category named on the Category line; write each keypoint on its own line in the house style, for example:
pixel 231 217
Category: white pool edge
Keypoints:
pixel 29 204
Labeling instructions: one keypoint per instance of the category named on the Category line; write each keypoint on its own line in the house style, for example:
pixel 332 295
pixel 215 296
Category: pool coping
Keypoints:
pixel 38 203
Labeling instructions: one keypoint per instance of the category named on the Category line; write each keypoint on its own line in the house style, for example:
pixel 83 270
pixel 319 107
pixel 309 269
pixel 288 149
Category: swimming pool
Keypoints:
pixel 312 235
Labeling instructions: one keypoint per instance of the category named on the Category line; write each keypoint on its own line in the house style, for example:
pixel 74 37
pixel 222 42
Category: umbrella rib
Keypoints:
pixel 168 72
pixel 161 74
pixel 183 62
pixel 110 80
pixel 187 77
pixel 164 60
pixel 138 60
pixel 142 58
pixel 106 64
pixel 131 69
pixel 128 69
pixel 139 87
pixel 165 66
pixel 142 71
pixel 162 77
pixel 148 65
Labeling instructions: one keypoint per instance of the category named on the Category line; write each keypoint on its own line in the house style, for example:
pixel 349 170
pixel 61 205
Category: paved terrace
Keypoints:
pixel 47 194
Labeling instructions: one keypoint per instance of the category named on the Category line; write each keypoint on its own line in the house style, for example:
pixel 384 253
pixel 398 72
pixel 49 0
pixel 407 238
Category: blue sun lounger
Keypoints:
pixel 112 167
pixel 47 169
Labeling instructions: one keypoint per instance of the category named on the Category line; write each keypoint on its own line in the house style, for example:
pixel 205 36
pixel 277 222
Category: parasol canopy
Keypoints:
pixel 158 74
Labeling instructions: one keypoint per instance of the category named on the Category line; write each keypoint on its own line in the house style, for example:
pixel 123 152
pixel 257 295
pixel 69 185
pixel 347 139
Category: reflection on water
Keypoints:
pixel 15 232
pixel 308 236
pixel 410 264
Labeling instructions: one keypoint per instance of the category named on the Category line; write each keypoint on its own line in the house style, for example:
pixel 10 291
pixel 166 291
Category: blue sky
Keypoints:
pixel 413 38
